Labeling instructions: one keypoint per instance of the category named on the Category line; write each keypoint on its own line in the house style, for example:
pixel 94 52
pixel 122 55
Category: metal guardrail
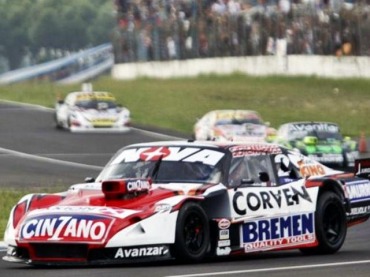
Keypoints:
pixel 88 73
pixel 86 64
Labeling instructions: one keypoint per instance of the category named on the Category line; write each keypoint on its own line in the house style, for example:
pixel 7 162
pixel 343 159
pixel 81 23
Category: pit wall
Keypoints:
pixel 292 65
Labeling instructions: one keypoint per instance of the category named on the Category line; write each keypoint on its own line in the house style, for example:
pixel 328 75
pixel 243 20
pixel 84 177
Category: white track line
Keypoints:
pixel 35 157
pixel 155 134
pixel 273 269
pixel 39 107
pixel 50 160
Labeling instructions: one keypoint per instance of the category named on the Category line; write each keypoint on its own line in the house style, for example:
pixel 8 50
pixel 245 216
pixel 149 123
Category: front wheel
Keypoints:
pixel 57 123
pixel 192 233
pixel 330 224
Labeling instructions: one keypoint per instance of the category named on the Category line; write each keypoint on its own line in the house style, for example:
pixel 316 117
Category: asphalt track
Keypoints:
pixel 34 154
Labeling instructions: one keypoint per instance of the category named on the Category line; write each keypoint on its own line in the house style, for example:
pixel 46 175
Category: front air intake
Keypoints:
pixel 118 189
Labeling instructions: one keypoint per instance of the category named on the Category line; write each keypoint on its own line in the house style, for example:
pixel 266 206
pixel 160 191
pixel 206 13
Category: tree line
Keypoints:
pixel 36 29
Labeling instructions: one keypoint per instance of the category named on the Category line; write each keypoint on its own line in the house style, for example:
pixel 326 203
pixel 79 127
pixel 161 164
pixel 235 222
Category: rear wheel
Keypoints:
pixel 330 224
pixel 192 233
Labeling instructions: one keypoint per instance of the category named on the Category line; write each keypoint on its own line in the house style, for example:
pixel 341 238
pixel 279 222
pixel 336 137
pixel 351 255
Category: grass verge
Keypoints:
pixel 177 103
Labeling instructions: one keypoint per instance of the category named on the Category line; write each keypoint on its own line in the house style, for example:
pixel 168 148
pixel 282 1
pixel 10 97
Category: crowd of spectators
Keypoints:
pixel 183 29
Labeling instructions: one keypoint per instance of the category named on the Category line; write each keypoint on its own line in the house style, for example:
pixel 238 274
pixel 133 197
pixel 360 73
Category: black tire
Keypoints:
pixel 192 234
pixel 331 224
pixel 69 123
pixel 57 125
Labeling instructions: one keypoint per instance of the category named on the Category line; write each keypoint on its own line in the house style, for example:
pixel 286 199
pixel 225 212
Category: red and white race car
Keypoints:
pixel 233 125
pixel 190 200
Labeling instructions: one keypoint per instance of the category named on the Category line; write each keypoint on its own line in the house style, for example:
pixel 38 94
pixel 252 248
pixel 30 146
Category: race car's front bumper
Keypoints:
pixel 76 129
pixel 82 254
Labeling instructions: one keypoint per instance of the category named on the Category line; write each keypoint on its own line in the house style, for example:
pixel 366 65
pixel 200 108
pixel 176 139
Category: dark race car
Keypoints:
pixel 190 200
pixel 321 141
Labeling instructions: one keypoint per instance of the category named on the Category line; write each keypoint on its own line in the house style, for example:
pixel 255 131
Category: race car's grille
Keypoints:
pixel 65 251
pixel 102 126
pixel 22 253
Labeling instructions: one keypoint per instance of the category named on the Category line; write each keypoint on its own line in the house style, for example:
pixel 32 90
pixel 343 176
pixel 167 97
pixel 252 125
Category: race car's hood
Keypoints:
pixel 242 132
pixel 89 216
pixel 324 147
pixel 101 117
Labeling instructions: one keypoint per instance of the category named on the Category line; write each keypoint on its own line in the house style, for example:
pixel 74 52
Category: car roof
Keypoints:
pixel 263 147
pixel 221 111
pixel 90 95
pixel 77 93
pixel 309 122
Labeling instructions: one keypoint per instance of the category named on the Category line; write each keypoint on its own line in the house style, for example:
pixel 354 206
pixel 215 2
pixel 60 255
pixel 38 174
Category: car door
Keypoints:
pixel 273 214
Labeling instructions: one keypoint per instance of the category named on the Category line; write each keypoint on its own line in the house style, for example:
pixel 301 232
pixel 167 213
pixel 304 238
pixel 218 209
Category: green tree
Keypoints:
pixel 13 38
pixel 100 30
pixel 46 31
pixel 32 25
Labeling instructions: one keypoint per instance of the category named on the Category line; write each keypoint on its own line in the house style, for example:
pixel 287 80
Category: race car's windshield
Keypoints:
pixel 96 104
pixel 164 171
pixel 320 135
pixel 327 135
pixel 239 121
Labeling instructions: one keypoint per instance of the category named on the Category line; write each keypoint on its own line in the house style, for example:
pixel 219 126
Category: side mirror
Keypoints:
pixel 264 177
pixel 89 180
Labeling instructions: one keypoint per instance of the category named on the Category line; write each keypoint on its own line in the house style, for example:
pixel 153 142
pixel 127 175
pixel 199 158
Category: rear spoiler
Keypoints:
pixel 362 168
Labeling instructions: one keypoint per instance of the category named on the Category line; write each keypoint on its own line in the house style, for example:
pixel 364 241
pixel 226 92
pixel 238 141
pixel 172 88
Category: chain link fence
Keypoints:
pixel 186 29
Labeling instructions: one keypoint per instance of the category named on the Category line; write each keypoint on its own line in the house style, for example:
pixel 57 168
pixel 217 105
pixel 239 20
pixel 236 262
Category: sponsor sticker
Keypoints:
pixel 313 127
pixel 64 227
pixel 224 234
pixel 105 211
pixel 328 158
pixel 358 191
pixel 186 154
pixel 362 167
pixel 224 224
pixel 360 210
pixel 223 251
pixel 138 185
pixel 307 170
pixel 249 202
pixel 278 232
pixel 248 150
pixel 223 243
pixel 141 252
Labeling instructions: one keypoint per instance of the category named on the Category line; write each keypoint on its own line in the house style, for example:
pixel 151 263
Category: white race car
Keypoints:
pixel 233 125
pixel 83 111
